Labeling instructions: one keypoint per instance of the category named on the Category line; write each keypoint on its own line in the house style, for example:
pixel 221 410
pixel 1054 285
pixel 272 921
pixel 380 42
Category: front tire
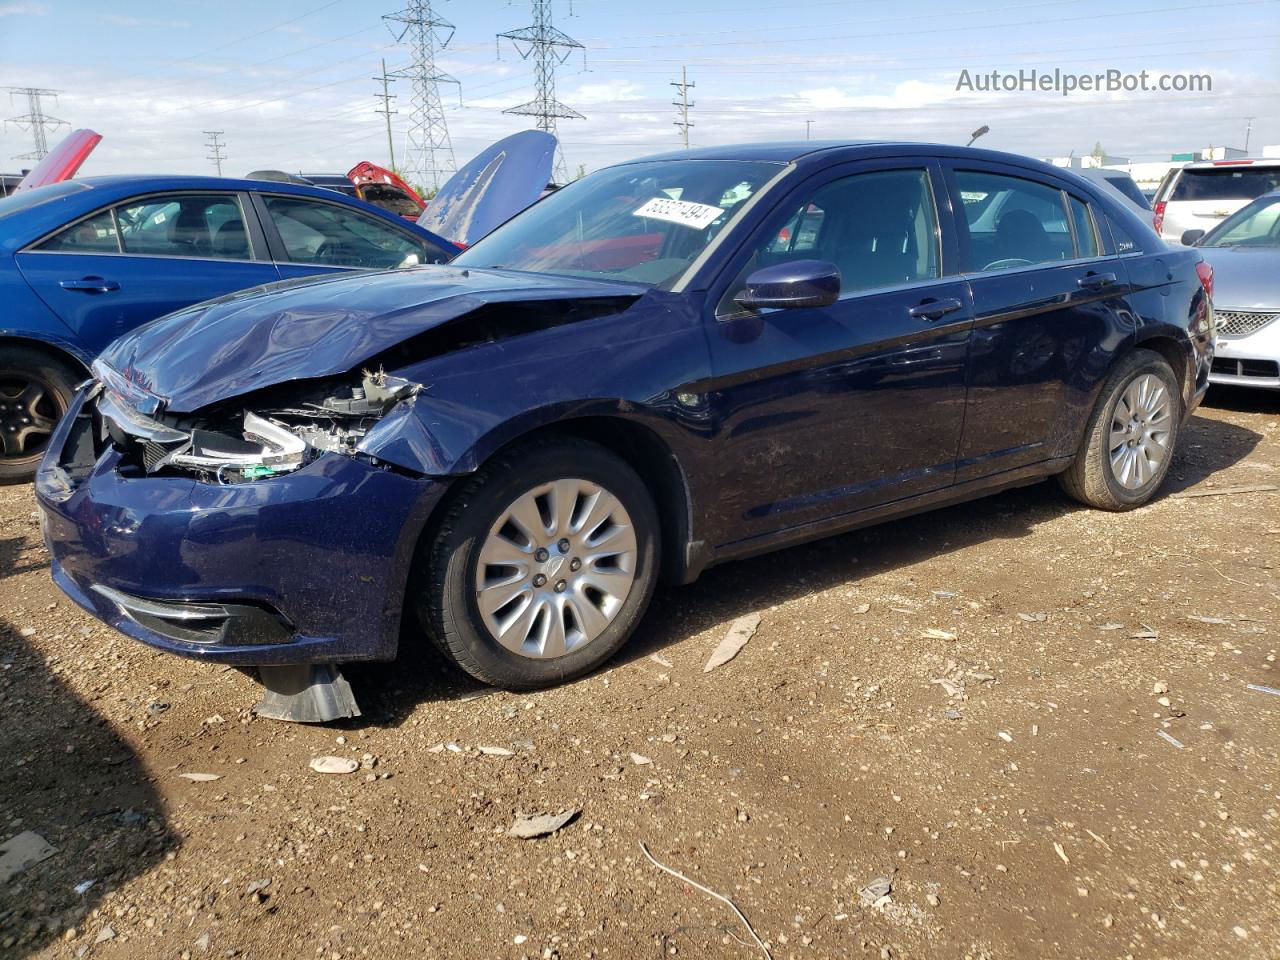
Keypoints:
pixel 542 565
pixel 1131 436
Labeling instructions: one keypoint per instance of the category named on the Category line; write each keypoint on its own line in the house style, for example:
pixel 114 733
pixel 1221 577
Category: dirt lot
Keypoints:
pixel 1026 807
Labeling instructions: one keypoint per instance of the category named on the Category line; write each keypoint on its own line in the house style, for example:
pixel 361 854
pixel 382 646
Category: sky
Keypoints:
pixel 290 82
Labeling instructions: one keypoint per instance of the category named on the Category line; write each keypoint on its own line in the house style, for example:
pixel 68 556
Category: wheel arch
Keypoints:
pixel 645 451
pixel 57 350
pixel 1175 353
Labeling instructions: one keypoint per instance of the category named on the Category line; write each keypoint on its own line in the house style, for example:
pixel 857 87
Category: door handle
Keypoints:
pixel 1096 281
pixel 935 309
pixel 90 285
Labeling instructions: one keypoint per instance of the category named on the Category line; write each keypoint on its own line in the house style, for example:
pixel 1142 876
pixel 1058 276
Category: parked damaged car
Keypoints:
pixel 669 364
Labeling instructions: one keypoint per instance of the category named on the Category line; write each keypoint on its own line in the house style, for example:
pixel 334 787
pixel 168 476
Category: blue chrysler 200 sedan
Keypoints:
pixel 668 364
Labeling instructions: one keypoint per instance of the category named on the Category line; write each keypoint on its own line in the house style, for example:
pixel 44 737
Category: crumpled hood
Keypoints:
pixel 307 328
pixel 1244 278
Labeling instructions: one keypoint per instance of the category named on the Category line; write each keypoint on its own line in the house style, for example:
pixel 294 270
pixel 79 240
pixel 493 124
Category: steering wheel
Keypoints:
pixel 1008 263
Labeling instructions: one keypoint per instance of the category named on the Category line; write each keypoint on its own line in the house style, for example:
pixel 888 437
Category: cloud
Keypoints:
pixel 123 21
pixel 23 9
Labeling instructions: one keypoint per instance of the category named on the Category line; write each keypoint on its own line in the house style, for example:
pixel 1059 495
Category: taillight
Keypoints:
pixel 1158 219
pixel 1205 273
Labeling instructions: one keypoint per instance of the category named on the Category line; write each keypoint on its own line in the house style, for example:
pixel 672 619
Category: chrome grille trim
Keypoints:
pixel 1233 324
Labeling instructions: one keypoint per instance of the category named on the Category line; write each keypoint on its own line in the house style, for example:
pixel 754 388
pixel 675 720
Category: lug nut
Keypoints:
pixel 561 586
pixel 575 564
pixel 541 555
pixel 564 546
pixel 540 580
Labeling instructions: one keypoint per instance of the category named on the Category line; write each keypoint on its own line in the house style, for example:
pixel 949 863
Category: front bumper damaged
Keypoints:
pixel 308 567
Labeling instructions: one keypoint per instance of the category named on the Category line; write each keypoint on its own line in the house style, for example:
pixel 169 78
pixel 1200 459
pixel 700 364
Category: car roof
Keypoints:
pixel 105 190
pixel 1239 162
pixel 826 151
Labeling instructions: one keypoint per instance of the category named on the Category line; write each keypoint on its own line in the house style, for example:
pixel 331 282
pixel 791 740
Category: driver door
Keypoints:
pixel 827 411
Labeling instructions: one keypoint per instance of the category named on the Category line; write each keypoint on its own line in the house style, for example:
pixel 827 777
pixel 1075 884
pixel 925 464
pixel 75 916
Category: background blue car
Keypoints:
pixel 84 261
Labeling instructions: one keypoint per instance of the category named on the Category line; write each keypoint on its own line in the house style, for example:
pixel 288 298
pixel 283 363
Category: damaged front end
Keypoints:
pixel 286 428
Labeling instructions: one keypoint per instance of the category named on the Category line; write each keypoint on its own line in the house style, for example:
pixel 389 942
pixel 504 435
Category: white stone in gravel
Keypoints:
pixel 496 751
pixel 639 759
pixel 24 850
pixel 105 934
pixel 201 777
pixel 28 632
pixel 337 765
pixel 528 826
pixel 740 631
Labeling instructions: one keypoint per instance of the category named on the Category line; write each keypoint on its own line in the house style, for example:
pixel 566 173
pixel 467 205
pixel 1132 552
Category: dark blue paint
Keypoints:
pixel 315 328
pixel 80 323
pixel 330 550
pixel 782 426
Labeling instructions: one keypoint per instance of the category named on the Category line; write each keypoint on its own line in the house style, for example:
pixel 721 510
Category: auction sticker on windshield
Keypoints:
pixel 684 212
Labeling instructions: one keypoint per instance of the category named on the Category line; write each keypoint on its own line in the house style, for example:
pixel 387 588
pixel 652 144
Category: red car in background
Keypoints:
pixel 365 181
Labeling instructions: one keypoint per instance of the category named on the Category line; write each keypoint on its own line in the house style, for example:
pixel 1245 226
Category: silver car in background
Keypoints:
pixel 1201 195
pixel 1244 251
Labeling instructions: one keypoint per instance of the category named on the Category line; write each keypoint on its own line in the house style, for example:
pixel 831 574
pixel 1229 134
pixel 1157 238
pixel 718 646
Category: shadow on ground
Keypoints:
pixel 388 693
pixel 69 778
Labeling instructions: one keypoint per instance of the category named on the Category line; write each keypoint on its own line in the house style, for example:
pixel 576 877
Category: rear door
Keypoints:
pixel 1049 307
pixel 825 411
pixel 140 259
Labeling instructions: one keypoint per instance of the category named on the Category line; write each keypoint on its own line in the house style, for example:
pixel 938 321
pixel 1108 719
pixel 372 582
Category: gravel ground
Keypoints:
pixel 966 706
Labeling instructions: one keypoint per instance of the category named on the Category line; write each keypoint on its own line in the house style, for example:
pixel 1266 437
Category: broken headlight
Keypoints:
pixel 276 437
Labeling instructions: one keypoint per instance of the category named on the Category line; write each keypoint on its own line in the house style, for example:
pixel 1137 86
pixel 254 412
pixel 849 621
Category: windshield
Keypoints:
pixel 26 199
pixel 1257 225
pixel 640 222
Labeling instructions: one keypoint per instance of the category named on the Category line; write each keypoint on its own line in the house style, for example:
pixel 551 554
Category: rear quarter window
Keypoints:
pixel 1226 183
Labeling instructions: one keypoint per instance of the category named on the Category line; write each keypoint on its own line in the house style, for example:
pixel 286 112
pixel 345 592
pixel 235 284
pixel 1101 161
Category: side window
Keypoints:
pixel 331 235
pixel 95 235
pixel 1124 240
pixel 879 228
pixel 1086 236
pixel 207 226
pixel 1012 222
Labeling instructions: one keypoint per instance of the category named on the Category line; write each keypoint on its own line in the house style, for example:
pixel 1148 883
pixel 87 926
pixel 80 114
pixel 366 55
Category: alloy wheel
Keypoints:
pixel 556 568
pixel 1141 426
pixel 29 409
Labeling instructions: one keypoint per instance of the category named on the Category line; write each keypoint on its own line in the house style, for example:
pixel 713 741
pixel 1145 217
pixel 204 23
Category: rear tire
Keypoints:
pixel 35 391
pixel 577 586
pixel 1131 436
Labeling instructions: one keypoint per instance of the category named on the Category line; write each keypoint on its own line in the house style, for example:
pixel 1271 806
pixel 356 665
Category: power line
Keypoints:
pixel 683 105
pixel 213 145
pixel 35 120
pixel 386 97
pixel 549 48
pixel 430 152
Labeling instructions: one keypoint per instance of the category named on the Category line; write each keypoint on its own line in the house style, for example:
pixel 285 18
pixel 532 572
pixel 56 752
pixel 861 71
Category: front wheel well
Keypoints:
pixel 650 457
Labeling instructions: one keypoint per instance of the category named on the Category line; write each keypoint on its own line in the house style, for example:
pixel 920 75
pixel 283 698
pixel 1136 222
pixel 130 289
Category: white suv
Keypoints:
pixel 1201 195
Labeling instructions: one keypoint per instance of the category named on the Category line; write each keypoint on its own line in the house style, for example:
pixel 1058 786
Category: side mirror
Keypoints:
pixel 799 283
pixel 1189 237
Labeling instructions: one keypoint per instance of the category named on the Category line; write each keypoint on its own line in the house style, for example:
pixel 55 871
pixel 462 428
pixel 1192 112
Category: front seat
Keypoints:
pixel 231 242
pixel 1021 236
pixel 190 232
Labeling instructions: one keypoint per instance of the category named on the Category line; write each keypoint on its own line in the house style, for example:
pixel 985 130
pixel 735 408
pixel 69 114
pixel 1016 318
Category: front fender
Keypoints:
pixel 439 438
pixel 479 398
